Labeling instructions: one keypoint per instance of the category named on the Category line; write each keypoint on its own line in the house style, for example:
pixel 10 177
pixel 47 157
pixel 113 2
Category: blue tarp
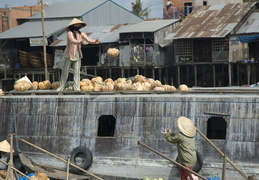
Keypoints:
pixel 24 178
pixel 248 39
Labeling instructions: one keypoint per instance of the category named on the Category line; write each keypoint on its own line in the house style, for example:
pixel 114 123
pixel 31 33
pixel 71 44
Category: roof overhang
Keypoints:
pixel 34 29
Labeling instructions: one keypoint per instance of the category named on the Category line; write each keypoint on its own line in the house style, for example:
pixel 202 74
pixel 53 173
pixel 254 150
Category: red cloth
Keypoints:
pixel 184 173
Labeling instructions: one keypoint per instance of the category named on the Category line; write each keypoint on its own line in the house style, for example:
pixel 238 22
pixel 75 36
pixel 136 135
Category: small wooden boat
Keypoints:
pixel 52 172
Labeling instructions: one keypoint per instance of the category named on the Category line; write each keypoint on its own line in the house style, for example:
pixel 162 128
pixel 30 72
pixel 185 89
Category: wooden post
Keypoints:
pixel 179 75
pixel 195 75
pixel 214 75
pixel 238 74
pixel 10 163
pixel 44 42
pixel 68 162
pixel 230 74
pixel 187 74
pixel 224 168
pixel 248 74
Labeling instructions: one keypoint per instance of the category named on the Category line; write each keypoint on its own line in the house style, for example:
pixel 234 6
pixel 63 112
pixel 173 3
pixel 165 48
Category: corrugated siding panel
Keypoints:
pixel 68 9
pixel 108 14
pixel 150 26
pixel 34 29
pixel 212 21
pixel 251 25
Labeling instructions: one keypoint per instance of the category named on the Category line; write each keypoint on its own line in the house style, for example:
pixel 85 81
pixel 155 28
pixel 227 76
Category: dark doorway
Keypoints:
pixel 202 50
pixel 216 128
pixel 106 125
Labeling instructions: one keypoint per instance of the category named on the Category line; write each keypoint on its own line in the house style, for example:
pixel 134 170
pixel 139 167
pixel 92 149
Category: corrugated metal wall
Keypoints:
pixel 109 13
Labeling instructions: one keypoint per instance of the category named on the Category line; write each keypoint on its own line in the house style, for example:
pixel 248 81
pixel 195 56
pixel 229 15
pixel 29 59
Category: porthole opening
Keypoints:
pixel 216 128
pixel 106 126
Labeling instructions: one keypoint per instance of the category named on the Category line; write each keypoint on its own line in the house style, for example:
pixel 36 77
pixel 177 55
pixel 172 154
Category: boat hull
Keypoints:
pixel 60 123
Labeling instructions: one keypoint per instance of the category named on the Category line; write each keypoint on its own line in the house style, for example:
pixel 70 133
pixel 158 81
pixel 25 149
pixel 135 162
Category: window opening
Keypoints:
pixel 106 125
pixel 216 128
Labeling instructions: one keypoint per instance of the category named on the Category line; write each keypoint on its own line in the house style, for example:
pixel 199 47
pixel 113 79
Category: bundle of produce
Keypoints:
pixel 159 89
pixel 169 88
pixel 1 92
pixel 85 82
pixel 156 83
pixel 45 85
pixel 113 52
pixel 108 81
pixel 107 87
pixel 140 78
pixel 183 87
pixel 22 85
pixel 120 80
pixel 87 88
pixel 55 85
pixel 35 85
pixel 97 80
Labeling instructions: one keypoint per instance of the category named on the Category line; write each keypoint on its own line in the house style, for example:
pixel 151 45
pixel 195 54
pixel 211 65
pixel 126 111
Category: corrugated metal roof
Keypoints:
pixel 251 25
pixel 212 21
pixel 106 34
pixel 34 29
pixel 149 26
pixel 69 9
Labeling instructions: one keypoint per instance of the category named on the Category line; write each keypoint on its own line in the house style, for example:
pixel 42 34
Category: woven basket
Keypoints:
pixel 24 58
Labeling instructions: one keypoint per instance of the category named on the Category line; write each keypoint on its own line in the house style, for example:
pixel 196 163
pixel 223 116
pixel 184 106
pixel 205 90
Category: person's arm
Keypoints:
pixel 172 137
pixel 72 39
pixel 89 40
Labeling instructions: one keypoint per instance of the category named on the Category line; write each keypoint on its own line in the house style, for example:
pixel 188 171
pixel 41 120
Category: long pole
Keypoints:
pixel 178 164
pixel 222 154
pixel 10 164
pixel 44 42
pixel 60 158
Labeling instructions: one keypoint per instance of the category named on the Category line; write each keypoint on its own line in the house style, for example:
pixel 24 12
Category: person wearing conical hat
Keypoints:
pixel 4 148
pixel 185 140
pixel 73 53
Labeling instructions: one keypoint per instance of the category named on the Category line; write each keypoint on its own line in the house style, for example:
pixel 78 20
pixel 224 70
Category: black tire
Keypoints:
pixel 198 165
pixel 17 162
pixel 82 157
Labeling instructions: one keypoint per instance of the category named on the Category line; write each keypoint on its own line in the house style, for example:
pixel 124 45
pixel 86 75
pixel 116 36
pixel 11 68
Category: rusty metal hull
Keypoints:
pixel 60 122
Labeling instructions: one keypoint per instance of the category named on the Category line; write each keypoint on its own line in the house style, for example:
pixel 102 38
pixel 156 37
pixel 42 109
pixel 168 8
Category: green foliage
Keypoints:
pixel 137 9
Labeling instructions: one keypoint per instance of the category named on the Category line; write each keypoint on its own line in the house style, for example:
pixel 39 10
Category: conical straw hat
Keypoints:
pixel 5 146
pixel 186 126
pixel 77 21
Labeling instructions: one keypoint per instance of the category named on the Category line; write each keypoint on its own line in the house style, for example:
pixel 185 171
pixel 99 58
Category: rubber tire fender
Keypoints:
pixel 81 153
pixel 197 166
pixel 17 162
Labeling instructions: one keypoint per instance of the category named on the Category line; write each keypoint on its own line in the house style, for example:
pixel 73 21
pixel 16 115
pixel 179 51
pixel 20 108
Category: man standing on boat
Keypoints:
pixel 185 141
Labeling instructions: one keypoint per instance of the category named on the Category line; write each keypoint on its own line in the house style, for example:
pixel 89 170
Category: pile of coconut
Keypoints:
pixel 135 83
pixel 1 92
